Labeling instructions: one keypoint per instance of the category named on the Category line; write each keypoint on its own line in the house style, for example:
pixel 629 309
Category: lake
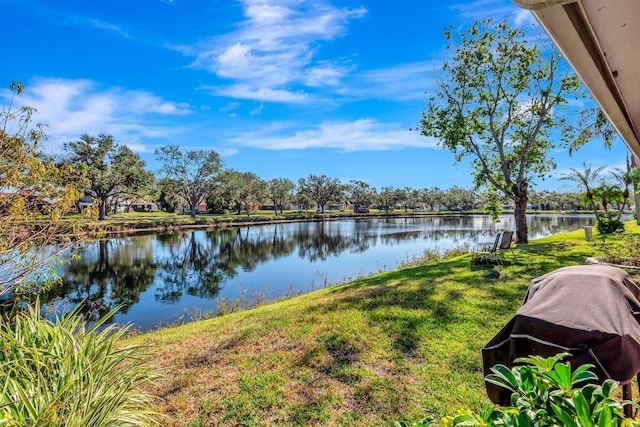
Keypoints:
pixel 166 277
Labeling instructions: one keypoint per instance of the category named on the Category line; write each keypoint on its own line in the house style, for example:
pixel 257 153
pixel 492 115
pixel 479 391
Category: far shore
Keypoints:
pixel 145 222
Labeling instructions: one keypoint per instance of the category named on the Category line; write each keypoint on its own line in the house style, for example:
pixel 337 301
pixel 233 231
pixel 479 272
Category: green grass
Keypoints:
pixel 394 346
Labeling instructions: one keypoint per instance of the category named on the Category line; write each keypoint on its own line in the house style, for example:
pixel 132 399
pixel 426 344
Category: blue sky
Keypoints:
pixel 281 88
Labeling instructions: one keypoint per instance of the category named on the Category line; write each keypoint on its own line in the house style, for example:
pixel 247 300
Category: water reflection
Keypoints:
pixel 109 273
pixel 158 276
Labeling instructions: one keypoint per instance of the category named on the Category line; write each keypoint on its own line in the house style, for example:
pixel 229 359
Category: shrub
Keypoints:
pixel 608 225
pixel 544 393
pixel 65 373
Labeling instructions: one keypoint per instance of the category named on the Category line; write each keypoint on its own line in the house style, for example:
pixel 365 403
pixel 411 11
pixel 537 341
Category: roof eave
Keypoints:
pixel 570 29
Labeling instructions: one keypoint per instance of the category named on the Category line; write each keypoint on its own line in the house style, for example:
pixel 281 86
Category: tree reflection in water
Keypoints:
pixel 109 273
pixel 188 268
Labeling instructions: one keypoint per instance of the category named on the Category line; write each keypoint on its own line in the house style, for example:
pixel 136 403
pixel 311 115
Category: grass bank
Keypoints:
pixel 394 346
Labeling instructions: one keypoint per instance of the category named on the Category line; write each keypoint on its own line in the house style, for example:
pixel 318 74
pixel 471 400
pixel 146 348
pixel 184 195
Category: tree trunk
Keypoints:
pixel 194 208
pixel 103 257
pixel 520 214
pixel 621 210
pixel 103 208
pixel 595 209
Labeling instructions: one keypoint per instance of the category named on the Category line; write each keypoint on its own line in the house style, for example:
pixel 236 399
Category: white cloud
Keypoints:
pixel 267 14
pixel 479 9
pixel 325 74
pixel 109 27
pixel 523 17
pixel 401 82
pixel 149 103
pixel 265 94
pixel 235 60
pixel 73 107
pixel 257 110
pixel 274 49
pixel 225 151
pixel 229 107
pixel 495 9
pixel 359 135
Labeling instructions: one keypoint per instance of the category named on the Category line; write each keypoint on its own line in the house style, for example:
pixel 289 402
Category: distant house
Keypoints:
pixel 202 207
pixel 286 207
pixel 137 206
pixel 144 206
pixel 131 205
pixel 84 203
pixel 331 207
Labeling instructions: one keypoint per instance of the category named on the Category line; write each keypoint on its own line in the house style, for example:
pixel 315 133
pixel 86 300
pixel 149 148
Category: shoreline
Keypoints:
pixel 120 226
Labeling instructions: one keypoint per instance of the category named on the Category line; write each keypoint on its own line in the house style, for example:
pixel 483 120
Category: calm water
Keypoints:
pixel 160 276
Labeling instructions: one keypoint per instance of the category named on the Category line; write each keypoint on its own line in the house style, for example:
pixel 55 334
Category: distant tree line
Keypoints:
pixel 196 181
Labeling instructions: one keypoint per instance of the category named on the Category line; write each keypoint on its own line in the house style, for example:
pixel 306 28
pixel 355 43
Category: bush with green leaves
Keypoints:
pixel 545 393
pixel 67 373
pixel 608 224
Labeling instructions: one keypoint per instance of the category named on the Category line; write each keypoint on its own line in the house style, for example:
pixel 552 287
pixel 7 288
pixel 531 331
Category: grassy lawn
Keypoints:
pixel 394 346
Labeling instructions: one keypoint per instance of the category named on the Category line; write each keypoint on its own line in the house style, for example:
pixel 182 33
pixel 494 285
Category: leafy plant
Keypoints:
pixel 65 373
pixel 36 193
pixel 608 224
pixel 545 393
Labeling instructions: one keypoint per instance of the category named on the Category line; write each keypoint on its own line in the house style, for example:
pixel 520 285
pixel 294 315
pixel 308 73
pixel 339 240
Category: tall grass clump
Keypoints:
pixel 66 373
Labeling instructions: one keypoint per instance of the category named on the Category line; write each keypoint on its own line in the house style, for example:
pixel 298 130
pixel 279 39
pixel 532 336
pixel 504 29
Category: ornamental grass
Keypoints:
pixel 67 373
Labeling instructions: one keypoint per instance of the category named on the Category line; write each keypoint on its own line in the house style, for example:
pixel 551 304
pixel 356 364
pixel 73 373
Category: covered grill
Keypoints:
pixel 592 312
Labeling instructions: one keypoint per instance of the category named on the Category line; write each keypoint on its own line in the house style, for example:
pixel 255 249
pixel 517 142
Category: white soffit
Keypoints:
pixel 601 41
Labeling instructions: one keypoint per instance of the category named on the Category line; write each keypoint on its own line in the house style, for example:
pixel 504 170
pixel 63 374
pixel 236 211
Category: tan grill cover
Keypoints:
pixel 592 312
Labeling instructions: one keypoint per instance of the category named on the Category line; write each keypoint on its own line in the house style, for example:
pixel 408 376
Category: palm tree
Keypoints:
pixel 627 178
pixel 608 195
pixel 585 178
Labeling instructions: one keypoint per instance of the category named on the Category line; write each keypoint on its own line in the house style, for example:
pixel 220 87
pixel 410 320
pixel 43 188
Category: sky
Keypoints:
pixel 281 88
